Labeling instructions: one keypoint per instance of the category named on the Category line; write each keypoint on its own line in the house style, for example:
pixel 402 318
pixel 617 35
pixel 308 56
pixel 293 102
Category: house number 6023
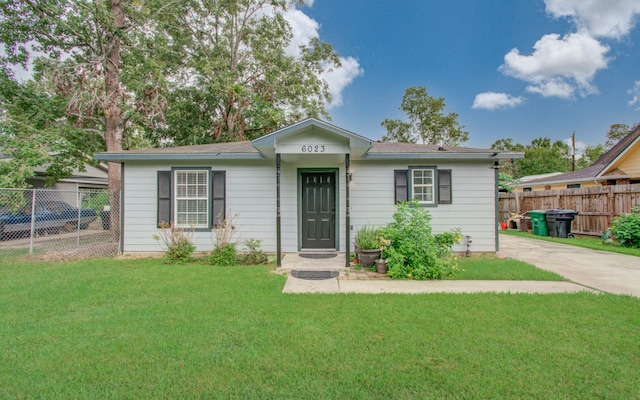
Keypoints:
pixel 312 148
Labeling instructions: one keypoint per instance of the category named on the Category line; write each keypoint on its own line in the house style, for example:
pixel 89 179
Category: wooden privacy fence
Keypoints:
pixel 596 206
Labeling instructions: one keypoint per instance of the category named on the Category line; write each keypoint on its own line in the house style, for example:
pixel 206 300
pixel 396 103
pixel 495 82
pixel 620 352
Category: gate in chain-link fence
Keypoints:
pixel 56 224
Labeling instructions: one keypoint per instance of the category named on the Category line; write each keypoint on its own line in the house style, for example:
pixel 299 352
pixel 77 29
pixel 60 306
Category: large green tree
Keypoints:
pixel 617 132
pixel 236 80
pixel 78 47
pixel 36 132
pixel 540 156
pixel 427 121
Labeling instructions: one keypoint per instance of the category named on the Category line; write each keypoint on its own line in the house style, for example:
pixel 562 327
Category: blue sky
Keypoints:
pixel 510 68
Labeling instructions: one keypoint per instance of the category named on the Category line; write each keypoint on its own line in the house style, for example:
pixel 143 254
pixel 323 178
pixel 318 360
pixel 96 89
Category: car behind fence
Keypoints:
pixel 56 224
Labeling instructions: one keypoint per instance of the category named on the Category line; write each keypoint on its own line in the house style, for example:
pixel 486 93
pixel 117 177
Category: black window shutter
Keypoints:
pixel 401 183
pixel 444 186
pixel 218 194
pixel 164 197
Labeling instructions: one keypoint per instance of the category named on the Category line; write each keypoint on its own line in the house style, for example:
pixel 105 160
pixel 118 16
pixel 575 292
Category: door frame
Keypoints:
pixel 336 193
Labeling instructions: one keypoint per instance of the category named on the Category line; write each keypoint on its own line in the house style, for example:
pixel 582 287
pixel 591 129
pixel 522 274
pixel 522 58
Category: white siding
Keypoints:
pixel 472 209
pixel 251 195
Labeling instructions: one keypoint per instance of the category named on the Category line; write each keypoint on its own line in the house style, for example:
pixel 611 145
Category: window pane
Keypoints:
pixel 192 198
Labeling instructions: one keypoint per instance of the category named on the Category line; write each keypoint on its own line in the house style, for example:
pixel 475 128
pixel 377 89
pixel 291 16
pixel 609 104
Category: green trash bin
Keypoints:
pixel 539 222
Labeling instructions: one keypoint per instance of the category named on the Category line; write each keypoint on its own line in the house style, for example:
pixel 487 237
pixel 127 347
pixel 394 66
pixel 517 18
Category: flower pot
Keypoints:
pixel 368 257
pixel 381 266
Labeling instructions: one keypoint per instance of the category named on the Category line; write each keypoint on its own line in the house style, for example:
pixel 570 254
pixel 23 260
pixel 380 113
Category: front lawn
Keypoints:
pixel 592 243
pixel 490 267
pixel 140 329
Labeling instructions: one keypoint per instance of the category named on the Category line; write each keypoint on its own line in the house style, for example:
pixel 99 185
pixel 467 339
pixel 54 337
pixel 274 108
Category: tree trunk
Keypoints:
pixel 114 125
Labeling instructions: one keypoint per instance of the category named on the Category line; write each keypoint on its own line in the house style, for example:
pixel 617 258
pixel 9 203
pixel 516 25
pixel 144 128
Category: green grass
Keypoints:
pixel 489 267
pixel 139 329
pixel 582 241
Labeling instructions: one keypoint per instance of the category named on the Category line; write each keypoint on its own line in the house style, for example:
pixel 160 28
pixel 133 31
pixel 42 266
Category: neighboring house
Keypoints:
pixel 93 177
pixel 309 186
pixel 618 166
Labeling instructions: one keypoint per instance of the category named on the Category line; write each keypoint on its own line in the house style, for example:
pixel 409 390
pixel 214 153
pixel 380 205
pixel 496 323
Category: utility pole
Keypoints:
pixel 573 151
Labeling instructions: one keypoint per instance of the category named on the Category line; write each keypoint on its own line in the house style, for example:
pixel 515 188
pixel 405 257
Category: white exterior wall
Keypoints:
pixel 251 194
pixel 473 194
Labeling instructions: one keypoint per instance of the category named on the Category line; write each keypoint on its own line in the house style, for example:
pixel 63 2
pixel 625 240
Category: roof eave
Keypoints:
pixel 444 155
pixel 119 157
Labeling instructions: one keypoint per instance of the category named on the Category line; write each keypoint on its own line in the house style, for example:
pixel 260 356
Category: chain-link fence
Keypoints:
pixel 57 224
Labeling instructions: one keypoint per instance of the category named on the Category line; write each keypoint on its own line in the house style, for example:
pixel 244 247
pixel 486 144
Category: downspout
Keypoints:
pixel 347 220
pixel 278 238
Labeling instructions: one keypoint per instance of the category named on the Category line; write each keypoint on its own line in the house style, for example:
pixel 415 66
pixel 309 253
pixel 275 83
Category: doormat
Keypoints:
pixel 317 256
pixel 314 275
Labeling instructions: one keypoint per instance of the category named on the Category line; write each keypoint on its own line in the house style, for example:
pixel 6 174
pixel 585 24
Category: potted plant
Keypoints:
pixel 367 245
pixel 381 263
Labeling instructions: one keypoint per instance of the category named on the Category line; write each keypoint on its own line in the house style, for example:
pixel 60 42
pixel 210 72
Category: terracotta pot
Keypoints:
pixel 381 266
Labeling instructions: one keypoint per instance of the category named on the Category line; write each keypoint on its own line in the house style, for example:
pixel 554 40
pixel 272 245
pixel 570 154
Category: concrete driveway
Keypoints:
pixel 609 272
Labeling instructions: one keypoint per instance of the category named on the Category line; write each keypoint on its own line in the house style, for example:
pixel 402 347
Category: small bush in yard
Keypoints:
pixel 625 229
pixel 224 253
pixel 255 255
pixel 178 243
pixel 224 256
pixel 415 252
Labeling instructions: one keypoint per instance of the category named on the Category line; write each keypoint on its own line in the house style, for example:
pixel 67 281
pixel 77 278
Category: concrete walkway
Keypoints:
pixel 587 270
pixel 337 285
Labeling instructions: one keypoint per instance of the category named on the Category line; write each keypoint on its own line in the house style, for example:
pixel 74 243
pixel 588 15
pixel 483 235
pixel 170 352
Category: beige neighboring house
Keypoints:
pixel 618 166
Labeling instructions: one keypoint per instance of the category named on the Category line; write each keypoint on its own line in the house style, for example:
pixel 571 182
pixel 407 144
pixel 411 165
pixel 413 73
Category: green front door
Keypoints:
pixel 318 210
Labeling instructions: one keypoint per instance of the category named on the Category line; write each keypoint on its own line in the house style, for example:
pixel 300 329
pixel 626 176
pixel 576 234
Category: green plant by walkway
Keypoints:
pixel 414 251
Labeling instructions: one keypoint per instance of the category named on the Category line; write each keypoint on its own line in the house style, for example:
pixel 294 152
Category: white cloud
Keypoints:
pixel 600 18
pixel 559 66
pixel 304 29
pixel 340 78
pixel 493 101
pixel 580 146
pixel 634 92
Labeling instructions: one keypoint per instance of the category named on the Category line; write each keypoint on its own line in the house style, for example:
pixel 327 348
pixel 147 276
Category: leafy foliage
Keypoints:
pixel 367 238
pixel 625 229
pixel 224 256
pixel 35 132
pixel 255 254
pixel 617 132
pixel 427 121
pixel 414 251
pixel 540 156
pixel 235 78
pixel 177 242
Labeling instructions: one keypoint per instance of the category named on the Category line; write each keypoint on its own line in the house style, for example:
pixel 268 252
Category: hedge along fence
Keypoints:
pixel 596 206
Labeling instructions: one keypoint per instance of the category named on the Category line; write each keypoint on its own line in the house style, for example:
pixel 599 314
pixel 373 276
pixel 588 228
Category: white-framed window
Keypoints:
pixel 423 185
pixel 191 198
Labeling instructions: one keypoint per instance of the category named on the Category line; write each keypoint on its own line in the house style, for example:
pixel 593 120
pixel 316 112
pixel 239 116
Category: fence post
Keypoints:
pixel 78 220
pixel 33 220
